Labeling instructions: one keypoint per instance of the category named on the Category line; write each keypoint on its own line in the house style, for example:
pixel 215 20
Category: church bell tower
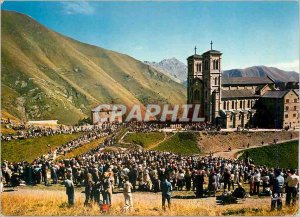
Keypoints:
pixel 204 83
pixel 212 78
pixel 195 81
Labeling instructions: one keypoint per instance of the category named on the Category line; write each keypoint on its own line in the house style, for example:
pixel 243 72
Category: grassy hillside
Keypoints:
pixel 287 155
pixel 46 75
pixel 181 143
pixel 145 140
pixel 30 149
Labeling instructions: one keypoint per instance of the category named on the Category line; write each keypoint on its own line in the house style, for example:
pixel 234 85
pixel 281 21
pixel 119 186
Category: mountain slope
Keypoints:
pixel 173 67
pixel 46 75
pixel 263 71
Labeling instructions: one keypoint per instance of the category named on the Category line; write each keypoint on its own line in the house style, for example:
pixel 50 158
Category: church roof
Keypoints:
pixel 275 94
pixel 195 56
pixel 212 52
pixel 232 94
pixel 296 91
pixel 259 87
pixel 246 80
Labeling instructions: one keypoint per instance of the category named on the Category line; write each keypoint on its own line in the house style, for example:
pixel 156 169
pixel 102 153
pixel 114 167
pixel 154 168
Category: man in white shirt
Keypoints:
pixel 292 182
pixel 127 194
pixel 256 181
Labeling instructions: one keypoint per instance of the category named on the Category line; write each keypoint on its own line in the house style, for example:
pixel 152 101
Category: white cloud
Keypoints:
pixel 80 7
pixel 287 66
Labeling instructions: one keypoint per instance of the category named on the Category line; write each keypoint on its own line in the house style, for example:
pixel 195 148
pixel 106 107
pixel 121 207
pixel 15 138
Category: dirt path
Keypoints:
pixel 233 153
pixel 158 143
pixel 150 147
pixel 121 139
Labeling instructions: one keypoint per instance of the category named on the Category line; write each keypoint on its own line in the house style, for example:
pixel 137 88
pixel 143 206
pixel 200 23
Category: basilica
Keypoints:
pixel 238 101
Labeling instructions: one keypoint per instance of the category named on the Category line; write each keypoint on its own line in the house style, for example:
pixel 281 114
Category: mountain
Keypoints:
pixel 46 75
pixel 177 71
pixel 172 67
pixel 263 71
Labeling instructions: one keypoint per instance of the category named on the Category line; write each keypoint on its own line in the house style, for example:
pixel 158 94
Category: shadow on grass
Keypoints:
pixel 8 190
pixel 242 211
pixel 186 197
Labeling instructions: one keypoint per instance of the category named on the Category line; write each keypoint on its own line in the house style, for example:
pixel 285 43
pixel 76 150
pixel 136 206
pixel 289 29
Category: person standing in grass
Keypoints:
pixel 166 188
pixel 292 182
pixel 127 193
pixel 188 180
pixel 70 190
pixel 107 189
pixel 199 182
pixel 88 180
pixel 276 187
pixel 256 177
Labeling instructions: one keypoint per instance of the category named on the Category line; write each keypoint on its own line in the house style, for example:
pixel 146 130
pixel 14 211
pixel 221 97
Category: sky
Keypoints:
pixel 247 33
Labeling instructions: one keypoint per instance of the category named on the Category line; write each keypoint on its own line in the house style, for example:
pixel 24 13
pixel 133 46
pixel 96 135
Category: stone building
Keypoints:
pixel 229 102
pixel 279 109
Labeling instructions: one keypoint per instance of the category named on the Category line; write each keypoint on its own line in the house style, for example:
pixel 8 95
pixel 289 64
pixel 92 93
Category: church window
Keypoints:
pixel 232 104
pixel 216 80
pixel 200 67
pixel 248 103
pixel 214 64
pixel 224 105
pixel 217 64
pixel 241 104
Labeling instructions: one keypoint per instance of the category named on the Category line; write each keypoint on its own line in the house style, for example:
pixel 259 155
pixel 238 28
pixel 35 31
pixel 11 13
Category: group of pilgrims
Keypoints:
pixel 26 132
pixel 102 172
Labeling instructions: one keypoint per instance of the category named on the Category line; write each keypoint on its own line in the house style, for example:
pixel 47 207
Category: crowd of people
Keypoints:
pixel 25 132
pixel 146 127
pixel 101 173
pixel 42 169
